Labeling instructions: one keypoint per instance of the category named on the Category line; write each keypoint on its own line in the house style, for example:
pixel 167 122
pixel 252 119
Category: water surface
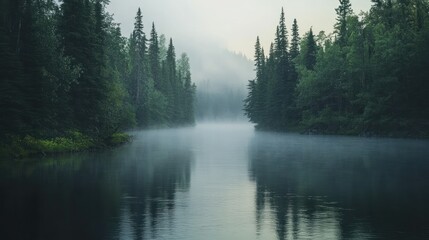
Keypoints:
pixel 222 181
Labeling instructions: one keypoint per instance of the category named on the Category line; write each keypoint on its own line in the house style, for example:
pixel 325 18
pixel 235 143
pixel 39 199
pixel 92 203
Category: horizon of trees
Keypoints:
pixel 368 77
pixel 66 66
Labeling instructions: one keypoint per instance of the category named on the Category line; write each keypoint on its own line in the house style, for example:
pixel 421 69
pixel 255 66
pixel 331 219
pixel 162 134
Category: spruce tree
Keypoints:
pixel 293 74
pixel 172 86
pixel 343 12
pixel 284 89
pixel 294 47
pixel 138 54
pixel 154 59
pixel 138 80
pixel 310 51
pixel 259 59
pixel 251 104
pixel 282 37
pixel 186 90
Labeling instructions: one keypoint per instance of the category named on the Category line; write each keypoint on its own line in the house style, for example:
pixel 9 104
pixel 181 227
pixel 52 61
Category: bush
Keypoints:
pixel 29 146
pixel 119 138
pixel 73 141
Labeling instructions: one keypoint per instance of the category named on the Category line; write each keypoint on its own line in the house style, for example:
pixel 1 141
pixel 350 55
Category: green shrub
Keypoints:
pixel 119 138
pixel 28 145
pixel 74 141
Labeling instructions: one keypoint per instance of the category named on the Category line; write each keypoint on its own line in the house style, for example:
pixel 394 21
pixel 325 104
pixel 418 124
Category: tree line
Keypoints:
pixel 369 77
pixel 66 66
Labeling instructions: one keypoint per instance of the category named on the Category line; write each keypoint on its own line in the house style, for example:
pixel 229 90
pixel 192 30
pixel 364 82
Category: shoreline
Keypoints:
pixel 74 142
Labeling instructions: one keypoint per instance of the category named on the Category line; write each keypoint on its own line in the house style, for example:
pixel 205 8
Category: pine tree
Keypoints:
pixel 272 114
pixel 281 37
pixel 81 44
pixel 30 57
pixel 154 59
pixel 259 59
pixel 294 47
pixel 66 68
pixel 172 86
pixel 186 90
pixel 284 85
pixel 12 104
pixel 138 54
pixel 252 104
pixel 293 74
pixel 250 101
pixel 138 80
pixel 343 12
pixel 310 51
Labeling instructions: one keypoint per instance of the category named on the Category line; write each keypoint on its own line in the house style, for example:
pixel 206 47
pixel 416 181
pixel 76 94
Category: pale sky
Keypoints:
pixel 230 24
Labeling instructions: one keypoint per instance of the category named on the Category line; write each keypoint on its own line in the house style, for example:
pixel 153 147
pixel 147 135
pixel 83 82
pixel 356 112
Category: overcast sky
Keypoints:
pixel 230 24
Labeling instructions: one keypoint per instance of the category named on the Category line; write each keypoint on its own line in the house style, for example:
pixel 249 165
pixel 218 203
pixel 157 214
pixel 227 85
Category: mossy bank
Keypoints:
pixel 22 147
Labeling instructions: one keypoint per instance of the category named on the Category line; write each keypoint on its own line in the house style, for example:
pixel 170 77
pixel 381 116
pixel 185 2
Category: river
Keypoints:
pixel 222 181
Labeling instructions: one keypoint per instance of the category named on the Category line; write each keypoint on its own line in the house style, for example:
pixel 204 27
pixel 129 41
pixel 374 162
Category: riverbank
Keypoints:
pixel 28 146
pixel 388 130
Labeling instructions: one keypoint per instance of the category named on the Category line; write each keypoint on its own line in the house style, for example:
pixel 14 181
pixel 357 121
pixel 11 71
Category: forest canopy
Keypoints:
pixel 65 67
pixel 368 77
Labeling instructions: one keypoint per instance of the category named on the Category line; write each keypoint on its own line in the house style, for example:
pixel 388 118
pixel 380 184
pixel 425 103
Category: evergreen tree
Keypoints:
pixel 154 58
pixel 81 44
pixel 68 68
pixel 253 106
pixel 293 74
pixel 12 104
pixel 369 79
pixel 294 47
pixel 281 42
pixel 310 51
pixel 162 47
pixel 137 56
pixel 284 89
pixel 139 73
pixel 172 85
pixel 187 90
pixel 343 12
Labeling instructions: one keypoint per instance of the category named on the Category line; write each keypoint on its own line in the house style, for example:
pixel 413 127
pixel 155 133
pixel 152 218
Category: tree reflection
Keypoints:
pixel 151 176
pixel 58 198
pixel 94 195
pixel 340 188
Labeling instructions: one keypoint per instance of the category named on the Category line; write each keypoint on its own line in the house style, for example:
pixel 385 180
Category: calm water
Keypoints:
pixel 222 182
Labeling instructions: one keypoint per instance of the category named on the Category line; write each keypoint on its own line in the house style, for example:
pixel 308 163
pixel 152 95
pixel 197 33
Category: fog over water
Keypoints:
pixel 219 37
pixel 222 181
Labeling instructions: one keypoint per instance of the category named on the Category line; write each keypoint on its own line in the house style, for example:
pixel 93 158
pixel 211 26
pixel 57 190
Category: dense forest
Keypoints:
pixel 368 77
pixel 67 72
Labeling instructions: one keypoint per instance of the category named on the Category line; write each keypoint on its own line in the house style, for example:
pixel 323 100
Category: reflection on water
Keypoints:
pixel 222 181
pixel 156 168
pixel 340 188
pixel 95 195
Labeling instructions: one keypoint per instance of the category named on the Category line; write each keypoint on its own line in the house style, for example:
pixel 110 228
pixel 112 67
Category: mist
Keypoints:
pixel 110 135
pixel 219 38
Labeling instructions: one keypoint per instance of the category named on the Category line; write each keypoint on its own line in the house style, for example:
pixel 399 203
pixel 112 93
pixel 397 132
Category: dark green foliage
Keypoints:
pixel 139 70
pixel 294 46
pixel 186 91
pixel 20 147
pixel 344 10
pixel 66 67
pixel 370 78
pixel 309 51
pixel 161 88
pixel 154 58
pixel 270 102
pixel 35 72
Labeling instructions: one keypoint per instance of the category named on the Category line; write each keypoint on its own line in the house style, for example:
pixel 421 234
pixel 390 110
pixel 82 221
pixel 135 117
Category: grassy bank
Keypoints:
pixel 28 146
